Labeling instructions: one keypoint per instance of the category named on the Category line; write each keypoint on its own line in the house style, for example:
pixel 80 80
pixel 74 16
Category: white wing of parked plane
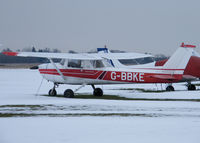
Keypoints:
pixel 80 56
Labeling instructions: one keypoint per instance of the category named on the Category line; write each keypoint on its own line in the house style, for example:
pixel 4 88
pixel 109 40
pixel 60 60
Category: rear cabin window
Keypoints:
pixel 88 64
pixel 138 61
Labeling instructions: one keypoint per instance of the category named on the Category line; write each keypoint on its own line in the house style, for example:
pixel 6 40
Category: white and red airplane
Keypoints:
pixel 93 69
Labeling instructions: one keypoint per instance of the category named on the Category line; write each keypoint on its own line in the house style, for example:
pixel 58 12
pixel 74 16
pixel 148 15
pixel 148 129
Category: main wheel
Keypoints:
pixel 52 92
pixel 69 93
pixel 98 92
pixel 191 87
pixel 170 88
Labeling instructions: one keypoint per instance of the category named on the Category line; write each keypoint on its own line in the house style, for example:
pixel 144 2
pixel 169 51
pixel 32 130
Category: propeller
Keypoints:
pixel 34 67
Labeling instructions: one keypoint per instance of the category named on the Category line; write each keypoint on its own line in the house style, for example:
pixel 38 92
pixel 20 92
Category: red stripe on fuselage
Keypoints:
pixel 92 74
pixel 139 77
pixel 134 77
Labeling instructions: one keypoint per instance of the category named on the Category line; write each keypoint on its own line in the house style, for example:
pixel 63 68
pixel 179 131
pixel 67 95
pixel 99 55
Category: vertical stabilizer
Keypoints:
pixel 180 58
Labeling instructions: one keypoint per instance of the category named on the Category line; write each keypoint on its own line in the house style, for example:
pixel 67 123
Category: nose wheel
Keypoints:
pixel 53 92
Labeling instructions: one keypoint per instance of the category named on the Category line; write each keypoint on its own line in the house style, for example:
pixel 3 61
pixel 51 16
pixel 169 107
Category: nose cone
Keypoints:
pixel 193 67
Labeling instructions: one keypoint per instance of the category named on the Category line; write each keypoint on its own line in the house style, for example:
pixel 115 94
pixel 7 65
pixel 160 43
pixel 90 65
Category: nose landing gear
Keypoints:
pixel 52 92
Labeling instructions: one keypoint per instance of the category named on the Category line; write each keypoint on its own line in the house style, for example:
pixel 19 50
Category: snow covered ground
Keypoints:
pixel 60 120
pixel 99 130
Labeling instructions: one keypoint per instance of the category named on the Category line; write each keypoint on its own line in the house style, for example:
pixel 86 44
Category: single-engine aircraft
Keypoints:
pixel 93 69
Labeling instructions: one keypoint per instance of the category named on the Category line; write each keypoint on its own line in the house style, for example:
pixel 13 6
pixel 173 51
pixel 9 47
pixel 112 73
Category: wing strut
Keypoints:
pixel 57 68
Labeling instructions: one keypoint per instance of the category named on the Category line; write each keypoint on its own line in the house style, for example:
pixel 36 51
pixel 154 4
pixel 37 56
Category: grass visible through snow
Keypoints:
pixel 108 97
pixel 115 97
pixel 142 90
pixel 75 115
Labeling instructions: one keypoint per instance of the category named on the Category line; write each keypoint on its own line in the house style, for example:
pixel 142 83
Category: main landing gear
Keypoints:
pixel 191 86
pixel 170 88
pixel 70 93
pixel 97 91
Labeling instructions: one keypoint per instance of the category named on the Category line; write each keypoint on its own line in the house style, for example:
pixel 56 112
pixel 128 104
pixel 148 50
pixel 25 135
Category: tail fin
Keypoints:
pixel 180 58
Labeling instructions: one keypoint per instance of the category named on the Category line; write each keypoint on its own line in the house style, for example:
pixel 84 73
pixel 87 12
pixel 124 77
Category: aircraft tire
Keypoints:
pixel 170 88
pixel 98 92
pixel 52 92
pixel 69 93
pixel 191 87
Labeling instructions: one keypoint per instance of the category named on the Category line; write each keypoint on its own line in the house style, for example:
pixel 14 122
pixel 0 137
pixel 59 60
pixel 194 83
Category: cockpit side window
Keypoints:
pixel 74 63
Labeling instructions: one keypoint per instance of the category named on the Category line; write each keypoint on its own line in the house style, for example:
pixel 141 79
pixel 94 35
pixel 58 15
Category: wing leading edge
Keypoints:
pixel 80 56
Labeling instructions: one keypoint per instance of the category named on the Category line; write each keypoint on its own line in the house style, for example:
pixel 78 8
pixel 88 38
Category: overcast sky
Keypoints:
pixel 156 26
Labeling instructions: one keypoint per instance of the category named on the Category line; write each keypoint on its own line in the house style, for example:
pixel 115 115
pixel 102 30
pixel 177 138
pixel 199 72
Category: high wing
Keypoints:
pixel 123 55
pixel 80 56
pixel 54 55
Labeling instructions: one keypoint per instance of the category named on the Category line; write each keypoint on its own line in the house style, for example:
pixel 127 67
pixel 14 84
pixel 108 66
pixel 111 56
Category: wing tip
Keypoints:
pixel 10 53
